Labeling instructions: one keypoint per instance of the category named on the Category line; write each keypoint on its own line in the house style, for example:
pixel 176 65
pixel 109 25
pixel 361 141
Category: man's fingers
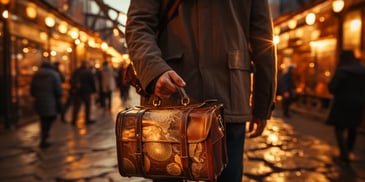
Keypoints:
pixel 259 129
pixel 165 85
pixel 176 79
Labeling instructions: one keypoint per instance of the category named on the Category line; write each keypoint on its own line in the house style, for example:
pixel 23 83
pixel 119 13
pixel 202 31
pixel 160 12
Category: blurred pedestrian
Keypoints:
pixel 287 89
pixel 69 100
pixel 348 89
pixel 47 90
pixel 60 105
pixel 57 66
pixel 107 76
pixel 97 77
pixel 82 88
pixel 210 48
pixel 122 83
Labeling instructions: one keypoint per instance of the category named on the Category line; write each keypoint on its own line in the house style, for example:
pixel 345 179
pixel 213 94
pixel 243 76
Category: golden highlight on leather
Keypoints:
pixel 185 142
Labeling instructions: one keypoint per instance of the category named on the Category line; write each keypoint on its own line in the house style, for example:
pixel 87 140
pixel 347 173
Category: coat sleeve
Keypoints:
pixel 32 88
pixel 335 82
pixel 263 57
pixel 141 29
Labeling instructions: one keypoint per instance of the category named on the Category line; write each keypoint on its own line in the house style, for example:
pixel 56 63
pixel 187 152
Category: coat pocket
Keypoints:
pixel 240 81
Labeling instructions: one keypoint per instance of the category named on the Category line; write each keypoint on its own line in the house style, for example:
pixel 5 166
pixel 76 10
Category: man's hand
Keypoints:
pixel 166 84
pixel 256 127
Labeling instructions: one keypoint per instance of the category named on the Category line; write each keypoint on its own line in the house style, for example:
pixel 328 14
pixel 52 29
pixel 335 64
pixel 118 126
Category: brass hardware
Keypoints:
pixel 156 102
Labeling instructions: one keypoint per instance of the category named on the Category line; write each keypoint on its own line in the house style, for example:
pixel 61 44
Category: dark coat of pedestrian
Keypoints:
pixel 209 48
pixel 122 83
pixel 82 87
pixel 108 85
pixel 287 89
pixel 47 90
pixel 348 89
pixel 61 107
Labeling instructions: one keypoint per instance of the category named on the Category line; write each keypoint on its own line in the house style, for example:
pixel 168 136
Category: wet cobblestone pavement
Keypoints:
pixel 283 154
pixel 88 153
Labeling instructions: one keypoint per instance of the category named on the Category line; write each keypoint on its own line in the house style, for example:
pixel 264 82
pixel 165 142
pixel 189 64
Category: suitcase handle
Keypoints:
pixel 184 98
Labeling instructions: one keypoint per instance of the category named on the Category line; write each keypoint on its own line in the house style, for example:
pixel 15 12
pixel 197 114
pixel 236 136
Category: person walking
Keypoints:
pixel 287 89
pixel 61 107
pixel 348 89
pixel 82 87
pixel 122 83
pixel 46 89
pixel 210 48
pixel 107 81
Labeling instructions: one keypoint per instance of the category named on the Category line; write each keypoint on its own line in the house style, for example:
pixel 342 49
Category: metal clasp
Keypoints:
pixel 156 102
pixel 185 101
pixel 220 119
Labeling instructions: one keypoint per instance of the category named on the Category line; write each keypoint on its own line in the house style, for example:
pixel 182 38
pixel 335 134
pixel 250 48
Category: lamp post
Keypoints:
pixel 50 23
pixel 7 107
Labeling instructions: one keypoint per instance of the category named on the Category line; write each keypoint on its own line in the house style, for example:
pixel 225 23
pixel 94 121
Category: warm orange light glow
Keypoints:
pixel 125 56
pixel 31 10
pixel 5 2
pixel 77 41
pixel 292 24
pixel 50 21
pixel 355 25
pixel 276 39
pixel 45 54
pixel 104 45
pixel 62 27
pixel 310 19
pixel 338 5
pixel 74 33
pixel 43 36
pixel 5 14
pixel 115 32
pixel 91 42
pixel 83 36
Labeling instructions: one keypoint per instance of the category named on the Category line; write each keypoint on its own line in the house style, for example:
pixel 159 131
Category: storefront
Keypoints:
pixel 310 40
pixel 32 32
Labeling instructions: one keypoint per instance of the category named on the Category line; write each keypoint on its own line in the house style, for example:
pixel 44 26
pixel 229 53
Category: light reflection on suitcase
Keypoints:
pixel 185 142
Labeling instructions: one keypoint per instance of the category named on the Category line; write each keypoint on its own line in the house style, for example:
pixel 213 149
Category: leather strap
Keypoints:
pixel 139 145
pixel 184 143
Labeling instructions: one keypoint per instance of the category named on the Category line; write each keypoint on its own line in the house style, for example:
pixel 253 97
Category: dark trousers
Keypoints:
pixel 235 133
pixel 77 102
pixel 106 97
pixel 67 105
pixel 124 93
pixel 286 106
pixel 46 123
pixel 346 138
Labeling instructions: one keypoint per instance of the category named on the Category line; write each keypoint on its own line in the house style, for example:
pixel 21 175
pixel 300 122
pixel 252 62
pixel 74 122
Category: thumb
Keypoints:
pixel 176 79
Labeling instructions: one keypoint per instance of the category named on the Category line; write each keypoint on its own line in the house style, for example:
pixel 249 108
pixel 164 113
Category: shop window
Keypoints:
pixel 323 65
pixel 352 30
pixel 26 57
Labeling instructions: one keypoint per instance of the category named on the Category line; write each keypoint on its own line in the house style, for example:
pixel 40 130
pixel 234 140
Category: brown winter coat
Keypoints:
pixel 206 43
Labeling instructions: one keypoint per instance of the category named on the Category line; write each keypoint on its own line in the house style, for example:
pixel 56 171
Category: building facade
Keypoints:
pixel 32 31
pixel 310 39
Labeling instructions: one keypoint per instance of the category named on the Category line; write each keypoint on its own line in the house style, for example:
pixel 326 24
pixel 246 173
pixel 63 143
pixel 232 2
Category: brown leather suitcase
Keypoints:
pixel 186 142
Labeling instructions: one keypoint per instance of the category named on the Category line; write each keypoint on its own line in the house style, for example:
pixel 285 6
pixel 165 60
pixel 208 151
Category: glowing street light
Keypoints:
pixel 338 5
pixel 50 23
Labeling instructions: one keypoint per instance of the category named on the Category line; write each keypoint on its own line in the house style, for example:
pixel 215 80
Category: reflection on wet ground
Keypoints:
pixel 88 154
